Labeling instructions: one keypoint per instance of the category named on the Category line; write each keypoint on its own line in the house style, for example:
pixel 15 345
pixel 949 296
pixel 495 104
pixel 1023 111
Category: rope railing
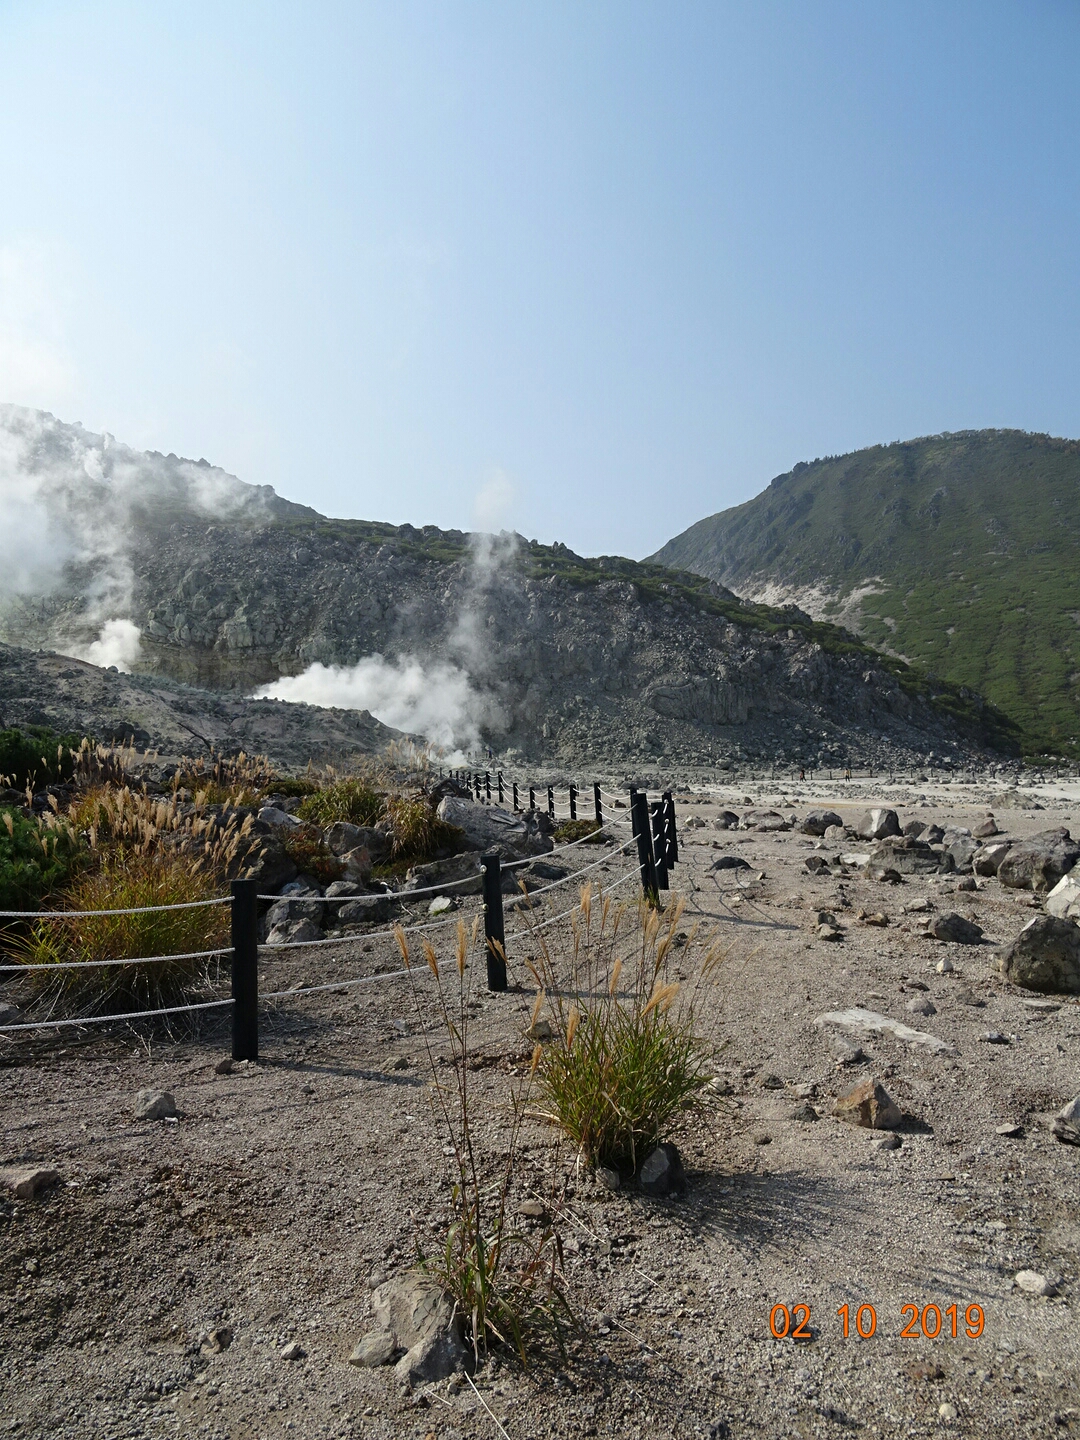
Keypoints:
pixel 91 914
pixel 107 1019
pixel 45 967
pixel 452 919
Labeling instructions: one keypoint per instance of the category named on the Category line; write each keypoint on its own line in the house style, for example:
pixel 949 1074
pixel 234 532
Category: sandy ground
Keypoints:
pixel 284 1186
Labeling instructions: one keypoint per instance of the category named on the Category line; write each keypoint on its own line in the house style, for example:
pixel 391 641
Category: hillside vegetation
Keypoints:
pixel 966 545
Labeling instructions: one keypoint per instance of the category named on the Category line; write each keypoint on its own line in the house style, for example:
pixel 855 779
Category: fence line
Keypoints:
pixel 47 966
pixel 105 1019
pixel 89 914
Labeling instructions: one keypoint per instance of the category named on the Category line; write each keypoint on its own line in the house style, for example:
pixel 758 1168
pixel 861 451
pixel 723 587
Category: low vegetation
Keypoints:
pixel 36 757
pixel 36 860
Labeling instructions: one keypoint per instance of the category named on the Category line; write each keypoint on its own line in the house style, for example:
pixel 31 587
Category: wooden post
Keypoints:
pixel 597 804
pixel 494 935
pixel 640 815
pixel 656 817
pixel 245 969
pixel 573 802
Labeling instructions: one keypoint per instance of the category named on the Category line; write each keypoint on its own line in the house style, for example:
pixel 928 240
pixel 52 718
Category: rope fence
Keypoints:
pixel 654 832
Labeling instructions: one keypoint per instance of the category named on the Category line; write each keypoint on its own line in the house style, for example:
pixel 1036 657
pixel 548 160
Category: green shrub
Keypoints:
pixel 36 859
pixel 418 833
pixel 625 1063
pixel 126 879
pixel 291 785
pixel 36 757
pixel 310 853
pixel 571 830
pixel 353 800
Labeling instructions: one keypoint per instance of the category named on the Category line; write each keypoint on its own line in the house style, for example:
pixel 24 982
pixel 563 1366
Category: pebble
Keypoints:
pixel 607 1177
pixel 966 997
pixel 886 1142
pixel 224 1067
pixel 440 905
pixel 804 1112
pixel 922 1006
pixel 1032 1283
pixel 994 1037
pixel 1012 1132
pixel 27 1180
pixel 806 1091
pixel 293 1351
pixel 154 1105
pixel 945 967
pixel 532 1209
pixel 1041 1007
pixel 946 1412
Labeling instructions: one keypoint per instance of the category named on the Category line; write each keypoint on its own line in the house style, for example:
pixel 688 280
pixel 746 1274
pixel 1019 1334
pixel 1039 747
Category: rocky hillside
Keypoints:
pixel 958 552
pixel 559 658
pixel 72 697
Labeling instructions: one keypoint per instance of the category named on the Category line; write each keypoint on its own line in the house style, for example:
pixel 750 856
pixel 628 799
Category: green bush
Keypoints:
pixel 354 801
pixel 310 854
pixel 571 830
pixel 35 860
pixel 36 757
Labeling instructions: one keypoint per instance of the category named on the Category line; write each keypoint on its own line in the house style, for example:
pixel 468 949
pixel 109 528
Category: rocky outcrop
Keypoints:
pixel 1039 862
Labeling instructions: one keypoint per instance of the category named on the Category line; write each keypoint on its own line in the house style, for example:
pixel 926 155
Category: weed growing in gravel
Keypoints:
pixel 625 1062
pixel 506 1280
pixel 571 830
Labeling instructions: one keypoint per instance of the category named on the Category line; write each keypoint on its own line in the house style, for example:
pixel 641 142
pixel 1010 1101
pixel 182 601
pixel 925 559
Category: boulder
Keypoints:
pixel 816 822
pixel 960 846
pixel 726 820
pixel 341 837
pixel 1066 1127
pixel 877 824
pixel 279 819
pixel 1064 899
pixel 1044 956
pixel 154 1105
pixel 446 872
pixel 869 1105
pixel 988 858
pixel 914 829
pixel 835 835
pixel 358 864
pixel 413 1314
pixel 293 932
pixel 766 820
pixel 367 909
pixel 26 1181
pixel 985 828
pixel 290 908
pixel 486 827
pixel 908 857
pixel 952 927
pixel 1039 862
pixel 375 1348
pixel 269 864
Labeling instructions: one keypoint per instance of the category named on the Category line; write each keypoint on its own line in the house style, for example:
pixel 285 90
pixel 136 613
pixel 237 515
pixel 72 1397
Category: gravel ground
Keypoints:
pixel 151 1292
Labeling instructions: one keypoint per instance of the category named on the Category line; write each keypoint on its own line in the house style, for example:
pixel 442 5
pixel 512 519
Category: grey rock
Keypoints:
pixel 726 820
pixel 293 930
pixel 954 928
pixel 817 822
pixel 886 1142
pixel 411 1308
pixel 1039 862
pixel 922 1006
pixel 994 1037
pixel 764 820
pixel 154 1105
pixel 985 828
pixel 729 862
pixel 341 837
pixel 967 997
pixel 877 824
pixel 1009 1131
pixel 835 835
pixel 368 909
pixel 26 1181
pixel 358 864
pixel 1064 899
pixel 854 1023
pixel 908 857
pixel 284 910
pixel 828 932
pixel 343 890
pixel 804 1112
pixel 662 1171
pixel 280 819
pixel 967 885
pixel 816 864
pixel 378 1347
pixel 1066 1126
pixel 270 864
pixel 433 1358
pixel 987 859
pixel 607 1177
pixel 960 846
pixel 458 868
pixel 486 827
pixel 1045 956
pixel 1032 1283
pixel 293 1351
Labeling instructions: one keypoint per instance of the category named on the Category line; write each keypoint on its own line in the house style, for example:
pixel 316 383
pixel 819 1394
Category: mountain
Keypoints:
pixel 465 638
pixel 958 552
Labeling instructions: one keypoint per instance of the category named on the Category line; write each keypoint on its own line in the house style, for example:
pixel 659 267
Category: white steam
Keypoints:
pixel 119 644
pixel 436 701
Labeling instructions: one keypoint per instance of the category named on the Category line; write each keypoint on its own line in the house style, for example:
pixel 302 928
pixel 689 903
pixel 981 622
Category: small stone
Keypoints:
pixel 945 967
pixel 375 1348
pixel 877 918
pixel 829 932
pixel 955 929
pixel 869 1105
pixel 435 1357
pixel 967 884
pixel 805 1112
pixel 916 907
pixel 1032 1283
pixel 922 1006
pixel 27 1180
pixel 607 1177
pixel 924 1370
pixel 375 1279
pixel 224 1067
pixel 762 1139
pixel 154 1105
pixel 886 1142
pixel 947 1412
pixel 1066 1127
pixel 967 997
pixel 917 985
pixel 806 1091
pixel 440 905
pixel 293 1351
pixel 532 1209
pixel 541 1030
pixel 994 1037
pixel 217 1340
pixel 1011 1132
pixel 662 1171
pixel 721 1085
pixel 772 1082
pixel 401 1063
pixel 1041 1007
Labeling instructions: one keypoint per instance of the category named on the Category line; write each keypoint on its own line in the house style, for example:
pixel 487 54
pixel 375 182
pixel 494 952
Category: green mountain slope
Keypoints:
pixel 959 552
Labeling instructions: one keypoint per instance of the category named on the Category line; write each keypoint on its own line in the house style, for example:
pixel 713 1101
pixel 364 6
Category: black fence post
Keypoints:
pixel 532 798
pixel 515 798
pixel 494 935
pixel 487 785
pixel 476 786
pixel 245 969
pixel 551 803
pixel 640 815
pixel 597 804
pixel 500 784
pixel 671 834
pixel 656 816
pixel 573 802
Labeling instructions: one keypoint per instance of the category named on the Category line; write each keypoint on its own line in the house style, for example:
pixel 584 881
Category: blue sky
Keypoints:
pixel 592 271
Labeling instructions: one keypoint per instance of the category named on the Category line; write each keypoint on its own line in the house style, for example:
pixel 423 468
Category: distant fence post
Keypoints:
pixel 551 802
pixel 494 935
pixel 656 816
pixel 596 802
pixel 532 798
pixel 671 834
pixel 245 969
pixel 487 785
pixel 476 786
pixel 500 784
pixel 573 802
pixel 516 807
pixel 639 814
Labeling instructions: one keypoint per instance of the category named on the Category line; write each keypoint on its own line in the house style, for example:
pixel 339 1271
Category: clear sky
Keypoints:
pixel 588 270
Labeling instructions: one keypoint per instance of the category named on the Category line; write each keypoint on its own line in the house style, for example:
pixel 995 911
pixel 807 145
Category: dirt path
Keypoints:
pixel 285 1186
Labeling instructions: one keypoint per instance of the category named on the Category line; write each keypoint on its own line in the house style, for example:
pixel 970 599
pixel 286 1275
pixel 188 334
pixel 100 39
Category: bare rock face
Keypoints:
pixel 1045 956
pixel 1039 862
pixel 869 1105
pixel 485 827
